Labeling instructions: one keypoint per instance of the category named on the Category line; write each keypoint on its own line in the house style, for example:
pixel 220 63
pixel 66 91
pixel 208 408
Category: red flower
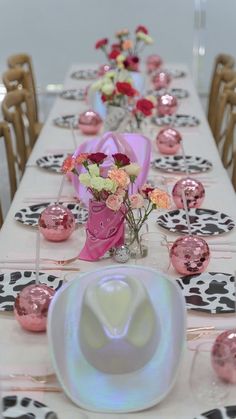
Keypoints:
pixel 126 89
pixel 101 43
pixel 142 28
pixel 145 106
pixel 104 98
pixel 121 159
pixel 115 46
pixel 68 164
pixel 146 189
pixel 131 63
pixel 113 54
pixel 97 157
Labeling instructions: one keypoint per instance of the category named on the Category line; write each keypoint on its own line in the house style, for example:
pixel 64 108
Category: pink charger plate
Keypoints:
pixel 136 146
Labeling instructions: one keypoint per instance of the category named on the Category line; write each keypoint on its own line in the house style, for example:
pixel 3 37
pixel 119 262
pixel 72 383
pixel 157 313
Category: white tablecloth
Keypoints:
pixel 18 241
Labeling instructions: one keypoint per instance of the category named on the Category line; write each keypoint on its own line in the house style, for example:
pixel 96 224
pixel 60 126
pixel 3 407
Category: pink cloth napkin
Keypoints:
pixel 104 229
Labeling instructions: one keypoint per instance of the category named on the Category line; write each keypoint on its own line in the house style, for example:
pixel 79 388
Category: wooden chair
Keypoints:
pixel 5 134
pixel 17 78
pixel 222 61
pixel 24 61
pixel 12 105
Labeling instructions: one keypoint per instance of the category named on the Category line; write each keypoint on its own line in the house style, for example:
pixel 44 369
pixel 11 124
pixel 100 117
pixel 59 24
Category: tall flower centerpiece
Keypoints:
pixel 112 201
pixel 125 52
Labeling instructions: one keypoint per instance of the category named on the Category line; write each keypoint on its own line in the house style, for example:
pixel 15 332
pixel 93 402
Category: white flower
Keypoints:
pixel 97 85
pixel 110 75
pixel 93 170
pixel 145 38
pixel 107 88
pixel 110 185
pixel 97 182
pixel 85 179
pixel 132 169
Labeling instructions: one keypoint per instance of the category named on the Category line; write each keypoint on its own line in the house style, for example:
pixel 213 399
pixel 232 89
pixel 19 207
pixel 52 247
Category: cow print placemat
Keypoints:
pixel 204 222
pixel 21 407
pixel 211 292
pixel 30 215
pixel 52 162
pixel 175 164
pixel 73 94
pixel 11 283
pixel 179 93
pixel 66 121
pixel 88 74
pixel 228 412
pixel 176 120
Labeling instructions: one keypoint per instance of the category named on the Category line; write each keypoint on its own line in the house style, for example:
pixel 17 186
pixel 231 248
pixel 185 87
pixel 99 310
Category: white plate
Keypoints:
pixel 175 164
pixel 66 121
pixel 11 283
pixel 22 407
pixel 228 412
pixel 30 215
pixel 87 74
pixel 52 162
pixel 204 222
pixel 73 94
pixel 179 93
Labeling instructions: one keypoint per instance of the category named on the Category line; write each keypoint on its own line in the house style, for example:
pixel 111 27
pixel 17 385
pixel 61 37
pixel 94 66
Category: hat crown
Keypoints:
pixel 118 328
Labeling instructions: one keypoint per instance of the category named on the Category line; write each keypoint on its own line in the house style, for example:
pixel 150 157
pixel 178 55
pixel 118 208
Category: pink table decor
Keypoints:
pixel 168 141
pixel 135 146
pixel 161 80
pixel 153 63
pixel 90 122
pixel 56 223
pixel 190 255
pixel 194 192
pixel 166 105
pixel 105 229
pixel 223 356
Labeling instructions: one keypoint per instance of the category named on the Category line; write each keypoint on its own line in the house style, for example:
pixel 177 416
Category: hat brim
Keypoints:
pixel 95 390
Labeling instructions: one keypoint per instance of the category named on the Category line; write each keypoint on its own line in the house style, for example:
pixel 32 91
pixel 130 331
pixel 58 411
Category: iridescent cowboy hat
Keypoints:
pixel 116 336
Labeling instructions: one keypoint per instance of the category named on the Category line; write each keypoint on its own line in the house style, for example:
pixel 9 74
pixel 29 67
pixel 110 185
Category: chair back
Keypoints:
pixel 12 108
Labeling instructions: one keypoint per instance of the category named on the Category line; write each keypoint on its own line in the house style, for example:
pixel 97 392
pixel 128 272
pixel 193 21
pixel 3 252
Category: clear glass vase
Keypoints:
pixel 133 240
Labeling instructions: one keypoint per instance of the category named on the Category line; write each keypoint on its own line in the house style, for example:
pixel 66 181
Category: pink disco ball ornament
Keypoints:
pixel 31 307
pixel 153 63
pixel 168 141
pixel 166 105
pixel 190 255
pixel 161 80
pixel 56 223
pixel 103 69
pixel 194 192
pixel 90 122
pixel 223 356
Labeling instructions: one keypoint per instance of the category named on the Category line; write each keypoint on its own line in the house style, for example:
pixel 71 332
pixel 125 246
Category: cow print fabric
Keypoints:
pixel 204 222
pixel 66 121
pixel 176 120
pixel 17 407
pixel 228 412
pixel 73 94
pixel 179 93
pixel 211 292
pixel 12 283
pixel 173 164
pixel 31 214
pixel 85 74
pixel 52 162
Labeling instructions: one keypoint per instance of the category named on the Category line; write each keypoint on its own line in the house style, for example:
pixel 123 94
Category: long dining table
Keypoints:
pixel 17 245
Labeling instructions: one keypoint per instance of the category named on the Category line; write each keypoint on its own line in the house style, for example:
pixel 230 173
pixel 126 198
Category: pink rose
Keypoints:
pixel 137 201
pixel 114 202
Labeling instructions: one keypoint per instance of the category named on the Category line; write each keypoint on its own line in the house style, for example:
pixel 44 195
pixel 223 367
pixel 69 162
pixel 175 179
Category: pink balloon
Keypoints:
pixel 166 105
pixel 161 80
pixel 90 122
pixel 194 192
pixel 56 223
pixel 223 356
pixel 168 141
pixel 31 307
pixel 190 255
pixel 153 62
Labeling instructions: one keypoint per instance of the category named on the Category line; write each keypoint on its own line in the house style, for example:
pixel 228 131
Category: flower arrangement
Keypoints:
pixel 113 187
pixel 125 52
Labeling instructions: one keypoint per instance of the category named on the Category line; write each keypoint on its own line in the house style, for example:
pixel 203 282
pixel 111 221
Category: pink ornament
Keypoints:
pixel 90 122
pixel 168 141
pixel 161 80
pixel 194 192
pixel 31 307
pixel 103 69
pixel 223 356
pixel 56 223
pixel 190 255
pixel 153 62
pixel 166 105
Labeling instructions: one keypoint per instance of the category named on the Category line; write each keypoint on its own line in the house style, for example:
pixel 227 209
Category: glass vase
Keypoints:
pixel 133 240
pixel 117 119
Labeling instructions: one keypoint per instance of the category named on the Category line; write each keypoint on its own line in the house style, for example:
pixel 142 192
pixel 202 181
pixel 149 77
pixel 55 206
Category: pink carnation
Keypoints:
pixel 114 202
pixel 137 201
